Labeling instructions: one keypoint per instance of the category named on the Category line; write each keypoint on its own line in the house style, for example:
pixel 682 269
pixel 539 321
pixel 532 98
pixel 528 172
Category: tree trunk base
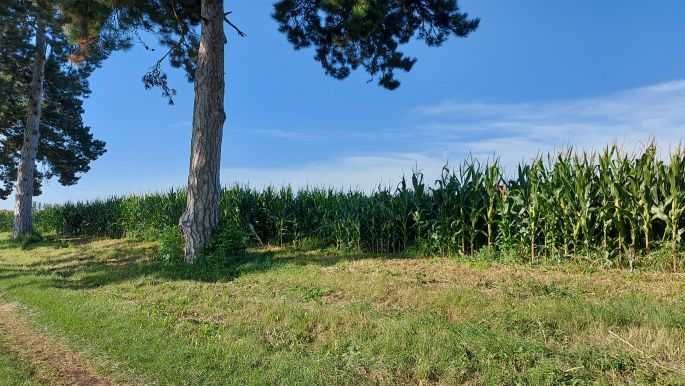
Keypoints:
pixel 197 235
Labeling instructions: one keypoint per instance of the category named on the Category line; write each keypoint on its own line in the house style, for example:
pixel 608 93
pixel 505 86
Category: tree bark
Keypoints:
pixel 201 216
pixel 23 216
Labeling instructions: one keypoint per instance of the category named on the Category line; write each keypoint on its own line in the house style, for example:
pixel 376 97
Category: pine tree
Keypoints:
pixel 41 104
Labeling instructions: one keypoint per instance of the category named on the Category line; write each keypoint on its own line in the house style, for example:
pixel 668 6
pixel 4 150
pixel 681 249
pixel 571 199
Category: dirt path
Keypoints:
pixel 50 361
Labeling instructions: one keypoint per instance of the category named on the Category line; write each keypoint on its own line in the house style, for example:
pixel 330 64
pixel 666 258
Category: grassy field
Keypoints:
pixel 281 316
pixel 12 371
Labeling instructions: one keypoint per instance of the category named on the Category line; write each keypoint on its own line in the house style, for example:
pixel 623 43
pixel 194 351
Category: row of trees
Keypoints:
pixel 41 112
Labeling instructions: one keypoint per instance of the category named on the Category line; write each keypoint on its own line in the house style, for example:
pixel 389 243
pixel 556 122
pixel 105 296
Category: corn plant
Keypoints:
pixel 494 194
pixel 670 209
pixel 604 192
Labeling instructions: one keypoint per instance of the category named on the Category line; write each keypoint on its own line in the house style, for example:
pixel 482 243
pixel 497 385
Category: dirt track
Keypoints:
pixel 50 361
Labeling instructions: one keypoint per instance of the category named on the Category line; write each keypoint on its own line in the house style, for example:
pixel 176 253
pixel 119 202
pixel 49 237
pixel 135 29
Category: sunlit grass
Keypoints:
pixel 289 317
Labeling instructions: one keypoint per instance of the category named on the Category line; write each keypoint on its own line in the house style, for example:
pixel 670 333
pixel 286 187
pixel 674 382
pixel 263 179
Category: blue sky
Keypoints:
pixel 536 75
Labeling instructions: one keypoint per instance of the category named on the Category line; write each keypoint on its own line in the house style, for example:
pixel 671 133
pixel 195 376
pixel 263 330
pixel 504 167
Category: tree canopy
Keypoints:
pixel 173 24
pixel 345 34
pixel 348 34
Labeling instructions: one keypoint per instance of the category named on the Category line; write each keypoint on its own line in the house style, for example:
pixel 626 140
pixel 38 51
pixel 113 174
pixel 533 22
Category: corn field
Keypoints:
pixel 612 207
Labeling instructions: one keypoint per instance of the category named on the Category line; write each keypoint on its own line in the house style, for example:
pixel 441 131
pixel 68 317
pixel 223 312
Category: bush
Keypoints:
pixel 170 245
pixel 228 244
pixel 6 220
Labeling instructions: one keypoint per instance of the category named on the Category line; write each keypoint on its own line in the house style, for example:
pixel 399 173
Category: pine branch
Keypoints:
pixel 240 33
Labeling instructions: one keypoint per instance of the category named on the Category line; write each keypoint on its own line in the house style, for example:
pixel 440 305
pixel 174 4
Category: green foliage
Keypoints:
pixel 348 34
pixel 101 218
pixel 6 220
pixel 147 215
pixel 226 247
pixel 114 24
pixel 66 146
pixel 609 207
pixel 170 246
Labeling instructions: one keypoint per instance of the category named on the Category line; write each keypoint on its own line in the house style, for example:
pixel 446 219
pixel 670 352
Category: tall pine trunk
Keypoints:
pixel 201 216
pixel 23 216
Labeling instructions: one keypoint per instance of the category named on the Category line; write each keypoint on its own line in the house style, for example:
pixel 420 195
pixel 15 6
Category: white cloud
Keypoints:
pixel 364 172
pixel 519 131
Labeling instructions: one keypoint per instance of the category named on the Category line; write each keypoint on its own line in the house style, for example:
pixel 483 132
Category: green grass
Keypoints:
pixel 12 371
pixel 279 316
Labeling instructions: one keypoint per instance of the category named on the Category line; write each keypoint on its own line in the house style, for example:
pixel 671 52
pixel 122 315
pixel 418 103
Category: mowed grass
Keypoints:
pixel 12 371
pixel 291 317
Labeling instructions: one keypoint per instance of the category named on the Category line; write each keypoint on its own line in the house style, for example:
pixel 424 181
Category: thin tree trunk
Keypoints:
pixel 201 217
pixel 23 217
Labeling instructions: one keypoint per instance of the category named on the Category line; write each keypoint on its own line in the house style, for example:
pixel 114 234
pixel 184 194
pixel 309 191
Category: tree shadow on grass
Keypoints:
pixel 118 261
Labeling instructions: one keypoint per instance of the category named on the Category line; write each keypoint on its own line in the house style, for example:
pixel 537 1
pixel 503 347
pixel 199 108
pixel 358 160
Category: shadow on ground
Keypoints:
pixel 92 266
